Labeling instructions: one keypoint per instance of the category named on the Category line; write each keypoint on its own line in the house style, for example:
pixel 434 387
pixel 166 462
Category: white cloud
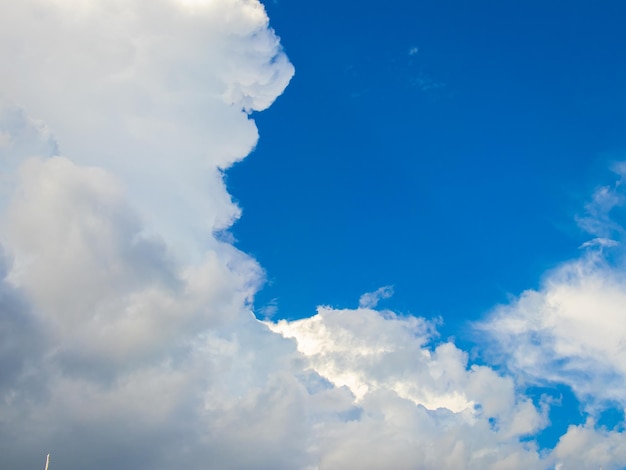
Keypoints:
pixel 405 402
pixel 126 331
pixel 603 448
pixel 151 91
pixel 599 218
pixel 571 330
pixel 371 299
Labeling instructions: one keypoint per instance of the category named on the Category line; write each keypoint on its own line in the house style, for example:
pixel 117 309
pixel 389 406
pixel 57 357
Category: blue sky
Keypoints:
pixel 312 235
pixel 444 148
pixel 453 173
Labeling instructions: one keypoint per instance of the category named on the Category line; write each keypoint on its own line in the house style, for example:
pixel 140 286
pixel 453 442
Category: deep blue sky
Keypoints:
pixel 453 173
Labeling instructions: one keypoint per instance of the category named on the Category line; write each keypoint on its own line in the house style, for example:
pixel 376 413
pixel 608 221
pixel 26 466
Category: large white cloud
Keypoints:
pixel 153 91
pixel 126 336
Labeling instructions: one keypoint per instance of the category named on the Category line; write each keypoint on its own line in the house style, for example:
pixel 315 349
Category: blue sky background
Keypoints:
pixel 444 148
pixel 441 147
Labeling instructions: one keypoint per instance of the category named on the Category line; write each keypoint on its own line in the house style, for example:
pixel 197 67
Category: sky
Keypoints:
pixel 329 235
pixel 433 146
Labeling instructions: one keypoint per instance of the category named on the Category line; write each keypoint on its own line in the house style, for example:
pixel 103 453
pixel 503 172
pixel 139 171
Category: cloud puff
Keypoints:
pixel 569 331
pixel 601 448
pixel 602 216
pixel 156 92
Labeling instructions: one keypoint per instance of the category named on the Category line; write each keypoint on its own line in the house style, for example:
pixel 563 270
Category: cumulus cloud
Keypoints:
pixel 411 399
pixel 371 299
pixel 571 329
pixel 602 448
pixel 158 93
pixel 127 338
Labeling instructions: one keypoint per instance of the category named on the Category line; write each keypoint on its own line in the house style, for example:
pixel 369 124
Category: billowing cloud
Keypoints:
pixel 156 92
pixel 127 338
pixel 411 402
pixel 585 446
pixel 127 335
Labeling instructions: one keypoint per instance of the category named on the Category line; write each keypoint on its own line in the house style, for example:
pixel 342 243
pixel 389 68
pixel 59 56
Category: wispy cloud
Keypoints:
pixel 426 83
pixel 600 217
